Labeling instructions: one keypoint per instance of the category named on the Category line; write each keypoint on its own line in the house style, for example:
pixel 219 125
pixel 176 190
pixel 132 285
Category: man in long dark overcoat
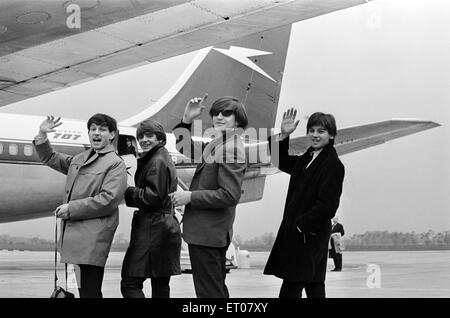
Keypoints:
pixel 299 253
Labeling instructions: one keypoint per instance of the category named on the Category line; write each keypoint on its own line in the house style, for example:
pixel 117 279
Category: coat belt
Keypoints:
pixel 155 212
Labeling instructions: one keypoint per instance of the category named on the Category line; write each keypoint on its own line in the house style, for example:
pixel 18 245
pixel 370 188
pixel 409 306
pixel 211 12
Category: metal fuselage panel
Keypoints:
pixel 29 191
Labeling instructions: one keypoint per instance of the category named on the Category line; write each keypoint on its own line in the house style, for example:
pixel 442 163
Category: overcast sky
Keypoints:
pixel 383 60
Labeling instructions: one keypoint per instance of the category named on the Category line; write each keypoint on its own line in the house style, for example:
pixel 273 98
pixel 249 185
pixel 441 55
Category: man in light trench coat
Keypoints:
pixel 95 185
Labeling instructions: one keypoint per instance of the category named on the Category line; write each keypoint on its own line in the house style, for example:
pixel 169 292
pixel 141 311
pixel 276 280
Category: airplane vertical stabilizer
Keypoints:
pixel 250 68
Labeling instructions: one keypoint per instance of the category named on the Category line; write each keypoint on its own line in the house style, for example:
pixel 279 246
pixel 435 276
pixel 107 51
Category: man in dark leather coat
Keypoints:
pixel 154 250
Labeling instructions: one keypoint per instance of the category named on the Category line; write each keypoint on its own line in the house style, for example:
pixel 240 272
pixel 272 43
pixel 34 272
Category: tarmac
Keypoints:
pixel 387 274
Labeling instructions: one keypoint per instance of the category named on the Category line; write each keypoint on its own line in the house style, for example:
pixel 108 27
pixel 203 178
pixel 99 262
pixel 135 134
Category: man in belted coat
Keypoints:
pixel 95 185
pixel 299 253
pixel 155 240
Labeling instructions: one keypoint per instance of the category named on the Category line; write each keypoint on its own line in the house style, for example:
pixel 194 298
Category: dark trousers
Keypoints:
pixel 131 287
pixel 337 259
pixel 209 271
pixel 91 279
pixel 295 289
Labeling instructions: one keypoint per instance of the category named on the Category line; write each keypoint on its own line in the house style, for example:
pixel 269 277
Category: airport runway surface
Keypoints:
pixel 392 274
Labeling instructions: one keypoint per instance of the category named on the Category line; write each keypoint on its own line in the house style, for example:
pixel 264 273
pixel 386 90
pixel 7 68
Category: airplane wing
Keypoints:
pixel 47 45
pixel 360 137
pixel 347 140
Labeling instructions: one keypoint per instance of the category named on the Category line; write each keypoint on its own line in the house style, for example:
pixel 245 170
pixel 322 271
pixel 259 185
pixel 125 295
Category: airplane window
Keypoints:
pixel 13 149
pixel 28 150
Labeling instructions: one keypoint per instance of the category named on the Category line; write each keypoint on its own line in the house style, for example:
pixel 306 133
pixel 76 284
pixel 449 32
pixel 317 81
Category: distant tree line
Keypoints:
pixel 384 240
pixel 8 242
pixel 260 243
pixel 371 240
pixel 25 243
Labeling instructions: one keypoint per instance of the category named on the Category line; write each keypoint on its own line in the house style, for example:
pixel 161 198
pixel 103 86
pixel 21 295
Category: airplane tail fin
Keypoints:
pixel 250 68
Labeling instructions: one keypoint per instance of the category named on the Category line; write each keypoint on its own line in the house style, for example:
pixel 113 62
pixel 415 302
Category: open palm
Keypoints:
pixel 288 124
pixel 194 108
pixel 49 125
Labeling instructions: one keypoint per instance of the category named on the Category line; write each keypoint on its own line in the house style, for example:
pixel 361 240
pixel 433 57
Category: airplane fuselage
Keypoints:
pixel 29 189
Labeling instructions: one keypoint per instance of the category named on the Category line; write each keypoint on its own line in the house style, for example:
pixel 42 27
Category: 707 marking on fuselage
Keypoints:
pixel 66 136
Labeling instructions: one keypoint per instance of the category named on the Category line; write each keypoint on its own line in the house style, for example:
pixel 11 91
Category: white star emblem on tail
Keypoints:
pixel 241 54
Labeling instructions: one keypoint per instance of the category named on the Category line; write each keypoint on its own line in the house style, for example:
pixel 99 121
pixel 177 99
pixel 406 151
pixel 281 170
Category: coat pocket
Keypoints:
pixel 94 225
pixel 165 231
pixel 89 182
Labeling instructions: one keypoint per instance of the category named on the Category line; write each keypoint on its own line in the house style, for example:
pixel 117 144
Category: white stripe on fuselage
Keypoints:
pixel 73 132
pixel 23 128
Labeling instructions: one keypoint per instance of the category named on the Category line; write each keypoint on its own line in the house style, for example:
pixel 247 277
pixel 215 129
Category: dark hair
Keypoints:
pixel 151 127
pixel 103 120
pixel 327 121
pixel 232 103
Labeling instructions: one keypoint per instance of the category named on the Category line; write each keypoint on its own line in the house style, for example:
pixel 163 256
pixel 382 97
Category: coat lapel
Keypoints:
pixel 142 161
pixel 326 151
pixel 91 158
pixel 200 167
pixel 303 176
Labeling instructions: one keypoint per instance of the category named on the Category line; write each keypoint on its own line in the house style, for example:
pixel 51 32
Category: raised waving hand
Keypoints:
pixel 289 124
pixel 194 108
pixel 49 125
